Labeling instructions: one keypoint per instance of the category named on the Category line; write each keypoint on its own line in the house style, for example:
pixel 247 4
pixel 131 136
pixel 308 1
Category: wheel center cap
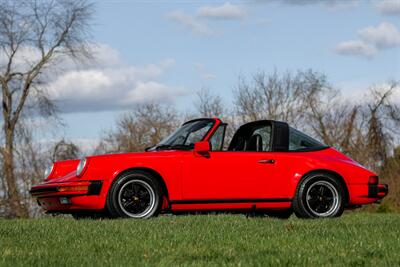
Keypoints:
pixel 135 198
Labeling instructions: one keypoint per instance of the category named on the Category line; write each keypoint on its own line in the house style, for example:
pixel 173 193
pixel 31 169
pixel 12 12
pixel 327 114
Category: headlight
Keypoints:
pixel 48 171
pixel 81 167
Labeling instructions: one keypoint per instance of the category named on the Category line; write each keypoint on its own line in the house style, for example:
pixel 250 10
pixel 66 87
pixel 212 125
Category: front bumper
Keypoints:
pixel 62 197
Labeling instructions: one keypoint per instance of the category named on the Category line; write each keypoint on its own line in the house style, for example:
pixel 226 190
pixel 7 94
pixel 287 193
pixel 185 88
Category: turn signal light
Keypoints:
pixel 73 188
pixel 373 180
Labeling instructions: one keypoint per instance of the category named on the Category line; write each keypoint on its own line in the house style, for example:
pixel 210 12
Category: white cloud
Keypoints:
pixel 151 92
pixel 203 73
pixel 23 59
pixel 357 48
pixel 334 5
pixel 389 7
pixel 197 22
pixel 360 91
pixel 190 22
pixel 106 83
pixel 110 84
pixel 382 36
pixel 372 39
pixel 224 11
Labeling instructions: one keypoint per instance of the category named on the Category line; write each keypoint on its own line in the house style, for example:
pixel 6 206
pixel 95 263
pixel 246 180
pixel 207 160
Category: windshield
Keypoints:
pixel 188 134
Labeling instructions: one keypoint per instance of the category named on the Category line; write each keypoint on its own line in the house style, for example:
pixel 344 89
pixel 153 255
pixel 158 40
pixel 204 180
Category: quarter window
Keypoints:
pixel 265 133
pixel 299 141
pixel 217 140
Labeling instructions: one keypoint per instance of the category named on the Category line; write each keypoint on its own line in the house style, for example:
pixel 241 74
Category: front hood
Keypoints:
pixel 61 169
pixel 66 170
pixel 138 155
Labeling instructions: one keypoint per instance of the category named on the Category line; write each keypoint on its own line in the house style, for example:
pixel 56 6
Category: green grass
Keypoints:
pixel 360 239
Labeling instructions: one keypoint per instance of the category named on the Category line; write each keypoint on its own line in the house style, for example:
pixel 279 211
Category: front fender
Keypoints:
pixel 167 164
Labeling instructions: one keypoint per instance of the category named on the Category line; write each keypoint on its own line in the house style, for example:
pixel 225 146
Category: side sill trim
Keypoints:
pixel 231 200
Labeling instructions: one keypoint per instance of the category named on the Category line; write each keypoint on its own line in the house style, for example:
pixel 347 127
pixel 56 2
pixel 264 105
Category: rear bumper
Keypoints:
pixel 69 196
pixel 361 194
pixel 378 190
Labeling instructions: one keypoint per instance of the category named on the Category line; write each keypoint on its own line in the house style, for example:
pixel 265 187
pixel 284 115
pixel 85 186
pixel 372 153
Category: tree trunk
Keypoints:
pixel 18 209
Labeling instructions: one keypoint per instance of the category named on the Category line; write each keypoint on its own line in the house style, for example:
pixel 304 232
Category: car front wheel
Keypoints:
pixel 135 195
pixel 319 195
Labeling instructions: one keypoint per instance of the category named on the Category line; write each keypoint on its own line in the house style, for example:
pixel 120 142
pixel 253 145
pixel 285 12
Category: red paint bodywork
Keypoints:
pixel 220 180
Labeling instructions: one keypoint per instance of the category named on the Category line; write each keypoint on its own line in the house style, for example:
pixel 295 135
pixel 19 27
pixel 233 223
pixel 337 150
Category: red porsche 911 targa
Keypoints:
pixel 269 168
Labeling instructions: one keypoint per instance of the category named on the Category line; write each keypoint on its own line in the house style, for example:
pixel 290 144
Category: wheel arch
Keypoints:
pixel 153 173
pixel 335 174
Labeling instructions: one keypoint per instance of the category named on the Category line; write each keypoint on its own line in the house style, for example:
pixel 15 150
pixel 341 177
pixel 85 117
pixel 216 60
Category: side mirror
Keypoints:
pixel 202 147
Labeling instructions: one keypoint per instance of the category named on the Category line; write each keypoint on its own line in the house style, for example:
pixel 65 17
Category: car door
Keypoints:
pixel 228 175
pixel 248 173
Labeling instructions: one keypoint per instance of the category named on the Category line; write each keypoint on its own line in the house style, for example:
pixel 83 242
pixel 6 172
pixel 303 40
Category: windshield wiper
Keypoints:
pixel 166 147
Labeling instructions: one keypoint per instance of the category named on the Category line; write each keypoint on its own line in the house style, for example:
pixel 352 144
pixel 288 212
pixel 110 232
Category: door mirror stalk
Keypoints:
pixel 202 148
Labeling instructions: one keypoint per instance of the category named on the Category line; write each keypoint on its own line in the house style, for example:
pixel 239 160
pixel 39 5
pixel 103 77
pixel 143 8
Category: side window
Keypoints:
pixel 198 135
pixel 265 133
pixel 256 136
pixel 299 141
pixel 217 140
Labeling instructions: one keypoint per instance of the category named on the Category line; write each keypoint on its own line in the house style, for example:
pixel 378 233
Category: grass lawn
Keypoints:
pixel 359 239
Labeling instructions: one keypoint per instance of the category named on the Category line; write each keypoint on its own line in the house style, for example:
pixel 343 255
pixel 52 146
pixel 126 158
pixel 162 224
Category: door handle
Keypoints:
pixel 266 161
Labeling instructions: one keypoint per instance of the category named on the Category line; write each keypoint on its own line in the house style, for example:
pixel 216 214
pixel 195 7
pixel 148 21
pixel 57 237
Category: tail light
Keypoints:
pixel 373 180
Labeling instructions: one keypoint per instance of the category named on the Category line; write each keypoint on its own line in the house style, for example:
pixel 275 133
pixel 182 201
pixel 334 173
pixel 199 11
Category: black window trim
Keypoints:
pixel 209 130
pixel 270 123
pixel 223 124
pixel 273 124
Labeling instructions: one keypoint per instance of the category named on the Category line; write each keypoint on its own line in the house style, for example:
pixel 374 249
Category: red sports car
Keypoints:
pixel 268 168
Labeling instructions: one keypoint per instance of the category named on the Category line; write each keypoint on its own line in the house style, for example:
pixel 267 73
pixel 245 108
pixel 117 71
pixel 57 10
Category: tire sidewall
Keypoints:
pixel 305 185
pixel 113 201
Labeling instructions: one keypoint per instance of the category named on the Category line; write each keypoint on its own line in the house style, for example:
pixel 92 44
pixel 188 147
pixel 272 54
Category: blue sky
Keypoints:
pixel 167 50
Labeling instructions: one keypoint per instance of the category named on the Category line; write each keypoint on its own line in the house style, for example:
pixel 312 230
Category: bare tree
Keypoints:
pixel 64 150
pixel 209 105
pixel 391 175
pixel 365 130
pixel 30 161
pixel 143 127
pixel 34 34
pixel 383 119
pixel 279 97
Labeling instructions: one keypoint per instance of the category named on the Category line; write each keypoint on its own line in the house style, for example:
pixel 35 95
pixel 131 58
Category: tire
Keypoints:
pixel 135 194
pixel 319 195
pixel 280 214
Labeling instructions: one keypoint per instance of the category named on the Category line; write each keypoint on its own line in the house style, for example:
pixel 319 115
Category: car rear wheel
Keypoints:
pixel 319 195
pixel 135 194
